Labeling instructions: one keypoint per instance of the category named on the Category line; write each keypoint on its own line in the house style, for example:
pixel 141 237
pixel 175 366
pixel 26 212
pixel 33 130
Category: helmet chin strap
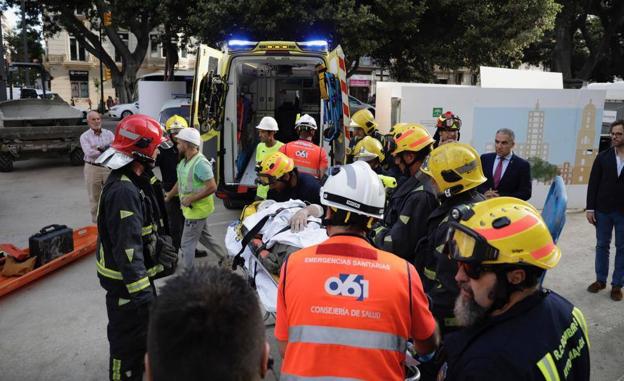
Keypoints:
pixel 407 171
pixel 502 292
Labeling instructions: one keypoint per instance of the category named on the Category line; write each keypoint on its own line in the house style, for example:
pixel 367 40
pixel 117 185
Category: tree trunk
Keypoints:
pixel 562 51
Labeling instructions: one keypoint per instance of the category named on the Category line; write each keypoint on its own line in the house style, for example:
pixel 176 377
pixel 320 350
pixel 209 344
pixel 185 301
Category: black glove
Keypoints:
pixel 166 253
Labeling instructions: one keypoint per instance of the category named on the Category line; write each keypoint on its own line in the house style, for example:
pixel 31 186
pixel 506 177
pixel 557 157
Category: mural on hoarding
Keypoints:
pixel 556 140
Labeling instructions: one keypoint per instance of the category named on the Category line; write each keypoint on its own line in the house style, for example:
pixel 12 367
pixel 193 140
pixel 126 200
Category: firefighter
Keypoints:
pixel 308 157
pixel 362 124
pixel 370 151
pixel 447 128
pixel 405 220
pixel 267 146
pixel 132 250
pixel 285 182
pixel 514 329
pixel 167 161
pixel 455 169
pixel 345 309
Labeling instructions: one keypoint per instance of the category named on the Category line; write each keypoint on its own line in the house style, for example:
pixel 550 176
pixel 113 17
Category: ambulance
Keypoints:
pixel 235 87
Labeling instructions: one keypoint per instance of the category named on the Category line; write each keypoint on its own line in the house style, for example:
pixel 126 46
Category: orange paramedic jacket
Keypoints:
pixel 347 310
pixel 308 157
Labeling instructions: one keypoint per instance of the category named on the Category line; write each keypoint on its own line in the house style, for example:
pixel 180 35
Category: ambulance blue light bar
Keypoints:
pixel 317 45
pixel 241 44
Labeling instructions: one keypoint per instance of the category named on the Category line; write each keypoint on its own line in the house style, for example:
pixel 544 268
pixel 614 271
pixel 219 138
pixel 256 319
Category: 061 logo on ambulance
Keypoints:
pixel 350 285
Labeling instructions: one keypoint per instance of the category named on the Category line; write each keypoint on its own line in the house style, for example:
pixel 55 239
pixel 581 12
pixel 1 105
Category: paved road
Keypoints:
pixel 55 329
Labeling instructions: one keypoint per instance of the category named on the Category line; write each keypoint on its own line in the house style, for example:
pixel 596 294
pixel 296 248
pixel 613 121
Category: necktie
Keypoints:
pixel 498 172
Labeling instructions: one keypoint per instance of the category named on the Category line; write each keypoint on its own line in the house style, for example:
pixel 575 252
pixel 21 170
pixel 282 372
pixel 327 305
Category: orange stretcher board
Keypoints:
pixel 84 243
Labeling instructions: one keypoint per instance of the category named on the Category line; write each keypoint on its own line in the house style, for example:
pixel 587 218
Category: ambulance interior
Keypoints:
pixel 277 86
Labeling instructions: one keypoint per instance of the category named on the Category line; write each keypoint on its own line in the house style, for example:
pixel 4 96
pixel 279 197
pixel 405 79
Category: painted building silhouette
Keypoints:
pixel 534 145
pixel 585 150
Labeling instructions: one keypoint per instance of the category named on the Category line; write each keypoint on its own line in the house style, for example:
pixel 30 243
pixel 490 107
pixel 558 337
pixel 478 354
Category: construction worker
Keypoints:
pixel 285 182
pixel 195 187
pixel 447 128
pixel 267 146
pixel 167 161
pixel 131 250
pixel 405 220
pixel 515 330
pixel 345 309
pixel 455 169
pixel 309 158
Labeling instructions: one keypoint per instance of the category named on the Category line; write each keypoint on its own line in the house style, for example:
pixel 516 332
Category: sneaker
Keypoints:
pixel 596 286
pixel 616 293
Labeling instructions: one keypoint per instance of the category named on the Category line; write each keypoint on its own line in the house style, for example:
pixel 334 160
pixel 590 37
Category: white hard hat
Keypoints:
pixel 307 121
pixel 268 123
pixel 190 135
pixel 355 188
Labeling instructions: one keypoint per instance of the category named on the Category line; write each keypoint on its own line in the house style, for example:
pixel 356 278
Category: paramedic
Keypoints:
pixel 345 309
pixel 405 220
pixel 131 251
pixel 515 330
pixel 308 157
pixel 268 145
pixel 196 187
pixel 285 182
pixel 206 325
pixel 455 169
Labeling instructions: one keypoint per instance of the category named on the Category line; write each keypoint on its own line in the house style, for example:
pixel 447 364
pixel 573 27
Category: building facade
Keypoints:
pixel 586 152
pixel 76 73
pixel 534 145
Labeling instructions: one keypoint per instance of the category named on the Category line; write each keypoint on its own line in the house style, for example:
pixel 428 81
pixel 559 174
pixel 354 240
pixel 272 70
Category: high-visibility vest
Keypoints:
pixel 347 311
pixel 188 184
pixel 308 157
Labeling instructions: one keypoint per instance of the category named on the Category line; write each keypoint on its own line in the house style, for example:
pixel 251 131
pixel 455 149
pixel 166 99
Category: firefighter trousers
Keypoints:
pixel 127 337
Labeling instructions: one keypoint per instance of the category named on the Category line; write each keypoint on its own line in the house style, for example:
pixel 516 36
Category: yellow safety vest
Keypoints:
pixel 188 184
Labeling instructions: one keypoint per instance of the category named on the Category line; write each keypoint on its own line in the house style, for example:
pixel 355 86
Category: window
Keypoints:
pixel 79 81
pixel 124 38
pixel 76 52
pixel 154 46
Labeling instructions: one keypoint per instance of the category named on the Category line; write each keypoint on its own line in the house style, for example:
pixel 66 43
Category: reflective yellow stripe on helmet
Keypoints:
pixel 547 366
pixel 139 285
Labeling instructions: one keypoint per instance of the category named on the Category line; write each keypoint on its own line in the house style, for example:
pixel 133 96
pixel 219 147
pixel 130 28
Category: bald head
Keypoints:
pixel 94 120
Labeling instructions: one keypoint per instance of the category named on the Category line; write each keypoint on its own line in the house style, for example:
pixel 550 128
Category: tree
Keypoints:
pixel 82 19
pixel 14 42
pixel 542 170
pixel 409 37
pixel 587 42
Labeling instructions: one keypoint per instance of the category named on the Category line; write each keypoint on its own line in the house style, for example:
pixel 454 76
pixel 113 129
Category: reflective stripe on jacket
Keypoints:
pixel 347 311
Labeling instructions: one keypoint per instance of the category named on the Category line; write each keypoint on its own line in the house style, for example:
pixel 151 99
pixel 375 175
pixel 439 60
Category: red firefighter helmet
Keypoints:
pixel 136 138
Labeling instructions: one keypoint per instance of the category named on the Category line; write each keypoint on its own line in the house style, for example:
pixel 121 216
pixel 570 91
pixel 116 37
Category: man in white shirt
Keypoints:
pixel 94 141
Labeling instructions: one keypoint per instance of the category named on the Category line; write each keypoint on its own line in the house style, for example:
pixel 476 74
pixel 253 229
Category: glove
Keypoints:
pixel 166 254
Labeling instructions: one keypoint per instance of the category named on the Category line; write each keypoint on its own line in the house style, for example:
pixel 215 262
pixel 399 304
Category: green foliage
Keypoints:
pixel 542 170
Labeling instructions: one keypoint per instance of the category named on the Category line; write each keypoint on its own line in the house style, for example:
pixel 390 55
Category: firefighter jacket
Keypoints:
pixel 129 220
pixel 436 269
pixel 541 338
pixel 405 219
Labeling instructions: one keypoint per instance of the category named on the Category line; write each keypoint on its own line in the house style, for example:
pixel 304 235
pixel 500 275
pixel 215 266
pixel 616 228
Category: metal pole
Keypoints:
pixel 25 43
pixel 3 93
pixel 101 71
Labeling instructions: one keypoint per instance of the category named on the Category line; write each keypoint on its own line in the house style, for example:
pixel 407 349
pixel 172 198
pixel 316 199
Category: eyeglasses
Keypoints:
pixel 616 134
pixel 474 270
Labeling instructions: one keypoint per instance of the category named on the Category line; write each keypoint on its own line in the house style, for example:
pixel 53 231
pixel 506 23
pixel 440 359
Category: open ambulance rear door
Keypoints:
pixel 336 65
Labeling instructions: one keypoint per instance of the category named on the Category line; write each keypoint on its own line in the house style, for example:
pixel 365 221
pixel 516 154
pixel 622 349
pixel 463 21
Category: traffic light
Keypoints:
pixel 107 18
pixel 107 74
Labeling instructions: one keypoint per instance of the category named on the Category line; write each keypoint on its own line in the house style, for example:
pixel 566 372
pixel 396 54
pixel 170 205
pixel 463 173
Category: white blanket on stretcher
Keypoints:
pixel 313 234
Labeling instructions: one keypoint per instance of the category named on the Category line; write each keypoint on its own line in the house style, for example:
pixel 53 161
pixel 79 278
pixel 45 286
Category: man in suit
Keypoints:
pixel 507 173
pixel 605 210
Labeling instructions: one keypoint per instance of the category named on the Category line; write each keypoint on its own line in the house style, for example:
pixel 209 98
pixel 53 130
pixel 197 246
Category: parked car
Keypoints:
pixel 176 106
pixel 357 105
pixel 123 110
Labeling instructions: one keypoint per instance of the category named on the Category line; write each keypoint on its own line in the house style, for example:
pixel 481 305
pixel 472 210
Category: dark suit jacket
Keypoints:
pixel 516 180
pixel 605 191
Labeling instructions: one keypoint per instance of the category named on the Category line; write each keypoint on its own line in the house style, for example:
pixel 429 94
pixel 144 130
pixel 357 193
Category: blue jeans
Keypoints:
pixel 605 222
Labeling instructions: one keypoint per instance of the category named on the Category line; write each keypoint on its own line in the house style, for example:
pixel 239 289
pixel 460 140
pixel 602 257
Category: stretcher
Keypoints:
pixel 84 243
pixel 274 218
